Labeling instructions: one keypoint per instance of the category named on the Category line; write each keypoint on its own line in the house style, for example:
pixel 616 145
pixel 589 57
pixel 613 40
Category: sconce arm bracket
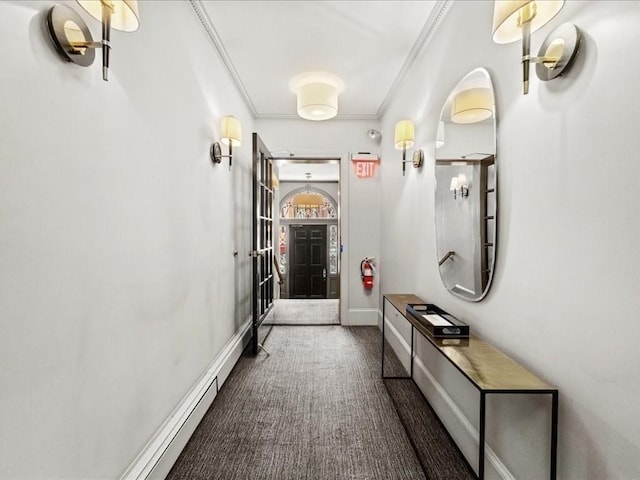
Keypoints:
pixel 71 35
pixel 558 52
pixel 217 156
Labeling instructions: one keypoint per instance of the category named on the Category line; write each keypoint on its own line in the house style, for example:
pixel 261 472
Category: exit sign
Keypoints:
pixel 365 164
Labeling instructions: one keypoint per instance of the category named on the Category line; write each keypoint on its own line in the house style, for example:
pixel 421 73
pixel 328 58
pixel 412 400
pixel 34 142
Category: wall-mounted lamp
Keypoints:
pixel 317 94
pixel 404 138
pixel 231 135
pixel 72 38
pixel 472 106
pixel 517 19
pixel 460 186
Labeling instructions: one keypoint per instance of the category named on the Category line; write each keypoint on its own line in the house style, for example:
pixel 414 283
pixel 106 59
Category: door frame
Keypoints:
pixel 327 222
pixel 337 160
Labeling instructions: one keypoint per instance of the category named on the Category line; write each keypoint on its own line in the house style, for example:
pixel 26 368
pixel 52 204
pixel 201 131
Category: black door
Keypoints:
pixel 308 269
pixel 262 253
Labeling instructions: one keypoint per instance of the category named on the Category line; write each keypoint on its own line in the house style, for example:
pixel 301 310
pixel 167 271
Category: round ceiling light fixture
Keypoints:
pixel 317 94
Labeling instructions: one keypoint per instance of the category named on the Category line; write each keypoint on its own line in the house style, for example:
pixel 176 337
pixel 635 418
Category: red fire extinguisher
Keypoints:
pixel 366 270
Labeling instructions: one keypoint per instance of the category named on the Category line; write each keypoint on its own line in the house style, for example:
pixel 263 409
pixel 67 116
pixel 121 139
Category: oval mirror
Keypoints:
pixel 466 193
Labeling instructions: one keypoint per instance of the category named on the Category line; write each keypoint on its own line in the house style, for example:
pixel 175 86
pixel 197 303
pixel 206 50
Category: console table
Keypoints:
pixel 489 371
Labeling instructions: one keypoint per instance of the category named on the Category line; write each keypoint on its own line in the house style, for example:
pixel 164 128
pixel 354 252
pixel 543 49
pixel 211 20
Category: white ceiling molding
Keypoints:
pixel 430 26
pixel 222 52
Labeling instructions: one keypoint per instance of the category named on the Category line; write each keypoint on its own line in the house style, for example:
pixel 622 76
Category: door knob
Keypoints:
pixel 324 273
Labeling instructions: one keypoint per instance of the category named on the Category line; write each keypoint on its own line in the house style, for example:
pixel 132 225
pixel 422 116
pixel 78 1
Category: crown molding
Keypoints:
pixel 430 26
pixel 213 36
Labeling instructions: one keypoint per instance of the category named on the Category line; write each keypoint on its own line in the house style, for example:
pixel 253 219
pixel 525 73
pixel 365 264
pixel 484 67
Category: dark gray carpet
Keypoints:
pixel 438 454
pixel 305 312
pixel 316 408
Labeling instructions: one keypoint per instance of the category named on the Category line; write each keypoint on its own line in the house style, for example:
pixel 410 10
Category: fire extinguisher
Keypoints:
pixel 366 270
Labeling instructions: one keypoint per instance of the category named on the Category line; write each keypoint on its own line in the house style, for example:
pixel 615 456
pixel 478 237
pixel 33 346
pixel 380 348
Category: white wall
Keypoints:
pixel 116 238
pixel 359 199
pixel 564 300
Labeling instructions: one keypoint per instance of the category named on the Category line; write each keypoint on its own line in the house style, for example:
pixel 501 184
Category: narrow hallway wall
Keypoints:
pixel 568 264
pixel 118 283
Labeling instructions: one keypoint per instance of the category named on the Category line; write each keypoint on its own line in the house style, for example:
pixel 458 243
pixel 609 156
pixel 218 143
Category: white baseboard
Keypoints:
pixel 158 456
pixel 427 383
pixel 359 317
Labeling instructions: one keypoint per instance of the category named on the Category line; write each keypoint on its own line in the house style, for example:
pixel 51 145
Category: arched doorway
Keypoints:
pixel 308 242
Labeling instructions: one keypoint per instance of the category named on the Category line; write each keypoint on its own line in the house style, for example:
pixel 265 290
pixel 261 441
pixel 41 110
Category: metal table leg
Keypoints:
pixel 554 435
pixel 383 322
pixel 482 435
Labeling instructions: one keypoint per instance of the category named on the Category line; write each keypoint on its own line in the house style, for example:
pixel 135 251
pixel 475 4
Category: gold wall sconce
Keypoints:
pixel 404 138
pixel 231 135
pixel 72 37
pixel 460 186
pixel 518 19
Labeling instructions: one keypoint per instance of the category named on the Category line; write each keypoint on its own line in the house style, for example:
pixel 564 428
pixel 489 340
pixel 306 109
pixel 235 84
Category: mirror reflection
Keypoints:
pixel 465 194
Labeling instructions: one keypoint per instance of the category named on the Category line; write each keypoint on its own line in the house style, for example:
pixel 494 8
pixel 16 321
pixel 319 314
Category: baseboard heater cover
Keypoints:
pixel 158 456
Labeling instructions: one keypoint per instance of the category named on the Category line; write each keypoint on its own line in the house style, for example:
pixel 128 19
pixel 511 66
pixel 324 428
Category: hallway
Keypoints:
pixel 305 312
pixel 316 408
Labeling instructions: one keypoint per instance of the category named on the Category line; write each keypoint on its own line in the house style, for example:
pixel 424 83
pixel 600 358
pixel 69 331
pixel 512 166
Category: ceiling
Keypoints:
pixel 369 44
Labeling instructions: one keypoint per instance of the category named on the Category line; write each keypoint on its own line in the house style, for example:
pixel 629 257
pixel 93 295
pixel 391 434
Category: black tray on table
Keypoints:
pixel 438 323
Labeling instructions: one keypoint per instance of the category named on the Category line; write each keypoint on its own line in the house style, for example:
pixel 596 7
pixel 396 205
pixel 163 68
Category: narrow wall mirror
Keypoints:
pixel 466 187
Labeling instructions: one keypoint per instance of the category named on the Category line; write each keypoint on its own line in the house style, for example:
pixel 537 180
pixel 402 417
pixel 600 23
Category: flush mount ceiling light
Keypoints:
pixel 317 94
pixel 518 19
pixel 472 105
pixel 72 38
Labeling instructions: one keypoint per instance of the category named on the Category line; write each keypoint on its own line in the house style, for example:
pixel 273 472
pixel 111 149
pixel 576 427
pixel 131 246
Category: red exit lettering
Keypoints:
pixel 365 169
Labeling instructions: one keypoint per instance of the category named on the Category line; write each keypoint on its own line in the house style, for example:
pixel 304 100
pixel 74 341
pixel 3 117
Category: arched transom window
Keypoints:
pixel 308 204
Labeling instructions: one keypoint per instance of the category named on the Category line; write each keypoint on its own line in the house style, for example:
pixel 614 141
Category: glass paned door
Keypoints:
pixel 262 248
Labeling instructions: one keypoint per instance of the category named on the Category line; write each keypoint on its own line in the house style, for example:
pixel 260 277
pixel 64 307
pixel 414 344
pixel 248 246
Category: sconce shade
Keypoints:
pixel 506 13
pixel 404 134
pixel 231 131
pixel 317 95
pixel 472 105
pixel 125 16
pixel 454 183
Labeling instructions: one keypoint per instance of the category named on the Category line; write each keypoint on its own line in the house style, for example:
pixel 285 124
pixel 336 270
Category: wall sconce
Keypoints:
pixel 317 94
pixel 472 106
pixel 231 135
pixel 72 38
pixel 404 138
pixel 460 186
pixel 515 19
